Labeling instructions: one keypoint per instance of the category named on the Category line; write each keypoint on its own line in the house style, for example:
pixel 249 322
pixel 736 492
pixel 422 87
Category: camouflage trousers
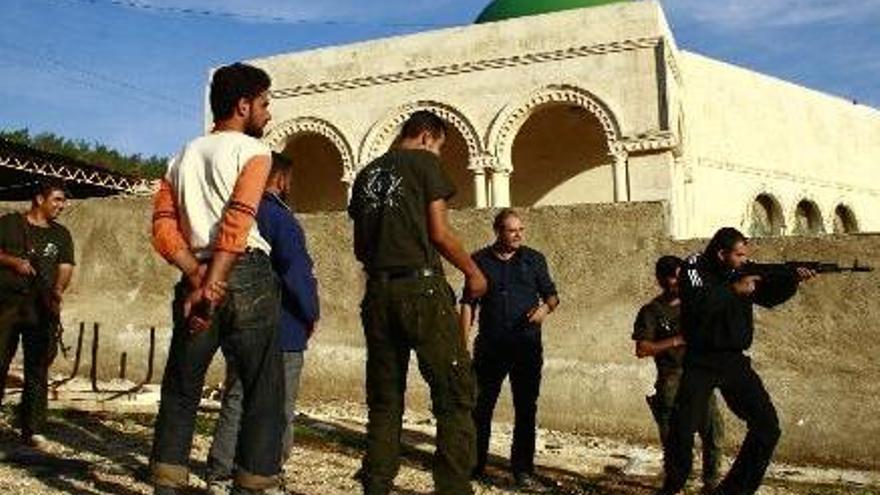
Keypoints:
pixel 401 316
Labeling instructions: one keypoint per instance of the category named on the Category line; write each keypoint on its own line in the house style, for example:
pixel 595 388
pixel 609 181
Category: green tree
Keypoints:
pixel 93 153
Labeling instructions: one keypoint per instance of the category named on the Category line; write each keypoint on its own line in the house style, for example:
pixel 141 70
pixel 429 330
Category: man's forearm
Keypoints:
pixel 65 272
pixel 647 348
pixel 221 265
pixel 451 249
pixel 187 263
pixel 8 260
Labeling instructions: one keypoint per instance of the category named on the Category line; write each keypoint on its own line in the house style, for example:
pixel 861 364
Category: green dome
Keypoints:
pixel 507 9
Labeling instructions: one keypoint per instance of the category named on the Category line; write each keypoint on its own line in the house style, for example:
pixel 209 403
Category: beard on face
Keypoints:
pixel 253 130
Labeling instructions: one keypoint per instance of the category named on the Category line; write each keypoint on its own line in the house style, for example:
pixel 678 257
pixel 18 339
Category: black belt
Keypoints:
pixel 401 274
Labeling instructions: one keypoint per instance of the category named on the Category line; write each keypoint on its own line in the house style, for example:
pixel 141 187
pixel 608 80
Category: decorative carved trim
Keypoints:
pixel 651 141
pixel 383 132
pixel 467 67
pixel 482 163
pixel 512 117
pixel 278 136
pixel 784 176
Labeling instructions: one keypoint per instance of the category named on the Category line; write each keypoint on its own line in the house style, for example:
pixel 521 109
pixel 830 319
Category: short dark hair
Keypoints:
pixel 667 266
pixel 231 83
pixel 724 240
pixel 47 186
pixel 422 121
pixel 501 217
pixel 280 164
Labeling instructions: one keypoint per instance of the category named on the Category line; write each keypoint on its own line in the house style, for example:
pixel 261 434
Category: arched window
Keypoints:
pixel 807 219
pixel 845 220
pixel 766 217
pixel 560 156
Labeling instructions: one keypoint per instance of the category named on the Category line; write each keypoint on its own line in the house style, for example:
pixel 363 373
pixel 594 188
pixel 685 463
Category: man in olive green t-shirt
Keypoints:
pixel 36 263
pixel 657 334
pixel 398 206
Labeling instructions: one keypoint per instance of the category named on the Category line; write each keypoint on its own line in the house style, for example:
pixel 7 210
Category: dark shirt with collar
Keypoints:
pixel 292 263
pixel 516 285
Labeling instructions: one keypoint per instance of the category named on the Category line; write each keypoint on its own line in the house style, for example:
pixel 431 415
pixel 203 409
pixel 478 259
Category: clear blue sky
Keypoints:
pixel 131 73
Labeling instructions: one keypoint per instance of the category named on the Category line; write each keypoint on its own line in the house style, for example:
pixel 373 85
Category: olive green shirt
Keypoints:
pixel 45 247
pixel 389 206
pixel 657 321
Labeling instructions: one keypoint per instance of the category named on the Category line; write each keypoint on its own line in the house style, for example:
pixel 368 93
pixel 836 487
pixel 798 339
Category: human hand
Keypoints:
pixel 54 302
pixel 200 304
pixel 746 285
pixel 197 276
pixel 537 314
pixel 22 266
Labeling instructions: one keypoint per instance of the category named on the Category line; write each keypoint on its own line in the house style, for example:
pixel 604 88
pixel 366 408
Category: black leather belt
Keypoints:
pixel 401 274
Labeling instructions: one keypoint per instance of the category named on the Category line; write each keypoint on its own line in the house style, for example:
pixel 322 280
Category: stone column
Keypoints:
pixel 348 182
pixel 480 199
pixel 501 188
pixel 621 188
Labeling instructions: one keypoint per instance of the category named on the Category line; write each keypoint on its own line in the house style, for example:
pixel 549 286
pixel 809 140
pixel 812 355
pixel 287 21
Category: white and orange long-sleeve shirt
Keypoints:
pixel 209 196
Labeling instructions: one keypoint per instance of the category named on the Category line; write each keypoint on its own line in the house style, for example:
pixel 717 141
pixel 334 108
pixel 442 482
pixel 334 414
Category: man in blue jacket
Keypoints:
pixel 299 314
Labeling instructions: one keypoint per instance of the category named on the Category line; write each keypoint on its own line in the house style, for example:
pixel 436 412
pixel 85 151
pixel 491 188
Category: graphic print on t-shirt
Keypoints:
pixel 50 252
pixel 382 188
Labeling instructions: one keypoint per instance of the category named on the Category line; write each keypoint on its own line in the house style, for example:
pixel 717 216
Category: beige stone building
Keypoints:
pixel 593 102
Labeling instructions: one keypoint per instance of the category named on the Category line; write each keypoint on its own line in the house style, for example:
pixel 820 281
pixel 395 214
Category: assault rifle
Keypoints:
pixel 789 267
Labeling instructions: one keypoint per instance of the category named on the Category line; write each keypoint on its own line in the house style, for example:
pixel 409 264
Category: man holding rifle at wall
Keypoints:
pixel 717 293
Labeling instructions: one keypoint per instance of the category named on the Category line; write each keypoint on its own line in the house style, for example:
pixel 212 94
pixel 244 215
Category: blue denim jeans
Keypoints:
pixel 221 457
pixel 245 326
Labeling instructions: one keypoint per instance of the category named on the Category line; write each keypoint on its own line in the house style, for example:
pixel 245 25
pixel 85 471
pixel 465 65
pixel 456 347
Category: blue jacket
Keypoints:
pixel 292 263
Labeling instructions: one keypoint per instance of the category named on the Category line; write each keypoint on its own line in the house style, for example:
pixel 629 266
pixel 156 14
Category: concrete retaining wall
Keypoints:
pixel 817 354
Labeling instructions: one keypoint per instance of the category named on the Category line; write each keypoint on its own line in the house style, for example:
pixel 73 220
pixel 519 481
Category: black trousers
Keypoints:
pixel 522 359
pixel 24 316
pixel 746 396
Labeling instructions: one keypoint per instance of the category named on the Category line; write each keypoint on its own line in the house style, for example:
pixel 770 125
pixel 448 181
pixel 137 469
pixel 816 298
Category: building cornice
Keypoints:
pixel 467 67
pixel 783 176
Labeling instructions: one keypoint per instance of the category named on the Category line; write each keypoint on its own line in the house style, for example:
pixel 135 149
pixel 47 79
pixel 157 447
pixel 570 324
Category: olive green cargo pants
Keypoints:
pixel 711 429
pixel 418 315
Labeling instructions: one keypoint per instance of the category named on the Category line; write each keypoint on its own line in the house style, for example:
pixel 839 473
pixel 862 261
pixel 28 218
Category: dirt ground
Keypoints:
pixel 105 452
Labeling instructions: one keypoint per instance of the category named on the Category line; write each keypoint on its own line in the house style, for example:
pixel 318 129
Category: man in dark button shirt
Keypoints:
pixel 521 294
pixel 717 320
pixel 657 333
pixel 398 205
pixel 36 263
